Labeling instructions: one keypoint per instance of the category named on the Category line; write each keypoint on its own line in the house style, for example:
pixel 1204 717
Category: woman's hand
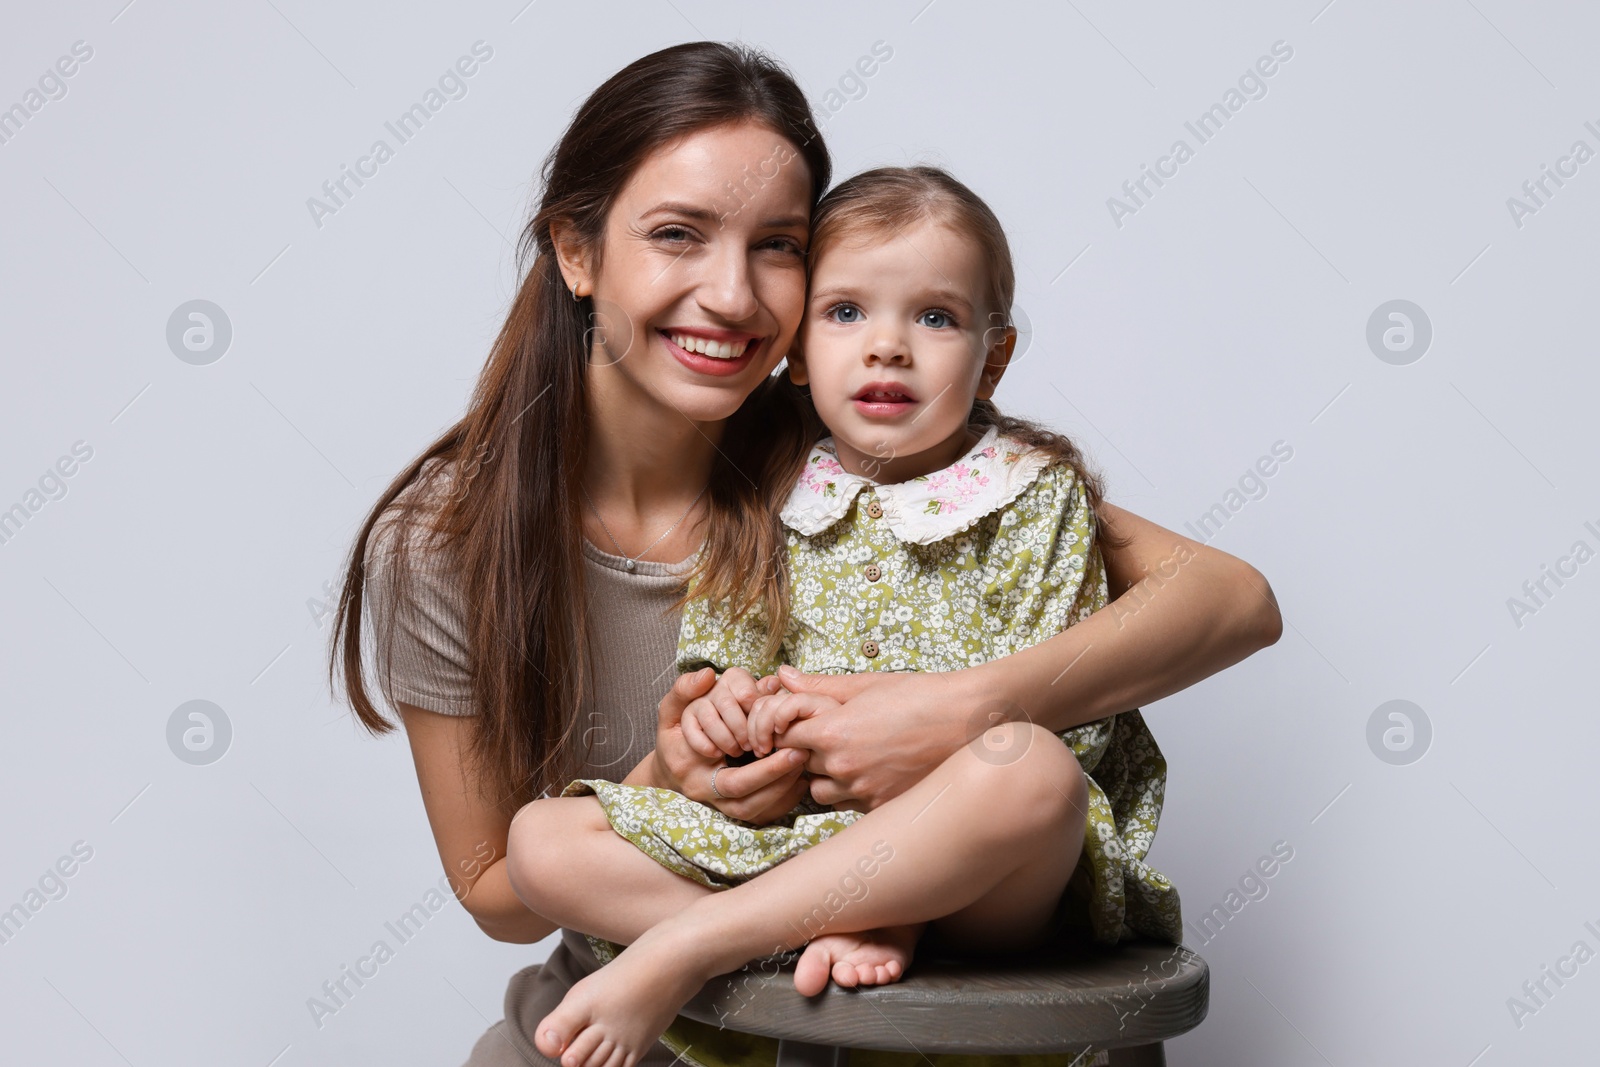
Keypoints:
pixel 773 713
pixel 757 792
pixel 875 734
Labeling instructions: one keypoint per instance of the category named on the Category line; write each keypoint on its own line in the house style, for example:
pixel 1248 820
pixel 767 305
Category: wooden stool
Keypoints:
pixel 1117 1004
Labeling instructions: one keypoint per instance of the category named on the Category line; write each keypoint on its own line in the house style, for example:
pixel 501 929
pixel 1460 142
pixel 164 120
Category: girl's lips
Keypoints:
pixel 703 364
pixel 883 399
pixel 884 407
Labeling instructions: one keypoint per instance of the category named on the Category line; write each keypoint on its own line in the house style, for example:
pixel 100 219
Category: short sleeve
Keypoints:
pixel 706 640
pixel 418 621
pixel 1053 574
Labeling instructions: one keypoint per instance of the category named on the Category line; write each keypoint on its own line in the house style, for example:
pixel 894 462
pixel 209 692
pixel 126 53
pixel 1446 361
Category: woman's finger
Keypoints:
pixel 777 797
pixel 686 688
pixel 747 780
pixel 829 793
pixel 840 687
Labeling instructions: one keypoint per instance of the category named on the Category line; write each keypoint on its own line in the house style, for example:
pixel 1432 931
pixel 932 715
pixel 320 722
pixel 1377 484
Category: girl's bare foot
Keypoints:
pixel 614 1016
pixel 864 957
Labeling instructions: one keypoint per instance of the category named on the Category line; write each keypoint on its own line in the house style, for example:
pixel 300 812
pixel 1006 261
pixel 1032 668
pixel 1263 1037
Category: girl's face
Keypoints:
pixel 700 284
pixel 896 343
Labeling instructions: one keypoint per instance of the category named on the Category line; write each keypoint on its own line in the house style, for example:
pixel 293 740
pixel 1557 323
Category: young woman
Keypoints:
pixel 521 574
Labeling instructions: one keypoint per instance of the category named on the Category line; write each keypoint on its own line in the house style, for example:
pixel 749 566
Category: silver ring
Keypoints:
pixel 714 771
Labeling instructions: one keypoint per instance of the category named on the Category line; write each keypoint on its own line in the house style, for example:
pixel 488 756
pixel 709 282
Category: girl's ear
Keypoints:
pixel 573 256
pixel 797 365
pixel 996 359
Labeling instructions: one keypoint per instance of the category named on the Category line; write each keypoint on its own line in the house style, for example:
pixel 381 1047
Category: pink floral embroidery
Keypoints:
pixel 815 476
pixel 959 482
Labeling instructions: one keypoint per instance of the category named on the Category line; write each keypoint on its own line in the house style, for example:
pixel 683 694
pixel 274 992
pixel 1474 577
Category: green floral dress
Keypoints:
pixel 948 570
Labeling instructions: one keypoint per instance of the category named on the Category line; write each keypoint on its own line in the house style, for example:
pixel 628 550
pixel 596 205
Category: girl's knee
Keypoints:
pixel 1033 769
pixel 544 828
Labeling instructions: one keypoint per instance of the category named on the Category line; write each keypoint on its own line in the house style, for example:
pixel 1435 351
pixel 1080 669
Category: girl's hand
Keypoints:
pixel 717 722
pixel 759 792
pixel 771 714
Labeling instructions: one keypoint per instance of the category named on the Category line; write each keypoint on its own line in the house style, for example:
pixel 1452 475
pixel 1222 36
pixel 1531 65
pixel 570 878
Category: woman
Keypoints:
pixel 522 573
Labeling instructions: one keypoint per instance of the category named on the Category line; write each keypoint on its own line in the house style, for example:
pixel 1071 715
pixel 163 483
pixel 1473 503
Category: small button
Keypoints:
pixel 869 649
pixel 872 571
pixel 875 509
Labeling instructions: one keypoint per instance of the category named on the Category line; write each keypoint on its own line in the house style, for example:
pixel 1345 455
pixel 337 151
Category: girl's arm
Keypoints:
pixel 1182 612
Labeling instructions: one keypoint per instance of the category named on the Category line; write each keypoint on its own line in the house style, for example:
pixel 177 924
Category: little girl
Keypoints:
pixel 927 533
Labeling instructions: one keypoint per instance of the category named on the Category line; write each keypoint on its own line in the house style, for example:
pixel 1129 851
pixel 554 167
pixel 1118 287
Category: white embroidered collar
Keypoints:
pixel 927 508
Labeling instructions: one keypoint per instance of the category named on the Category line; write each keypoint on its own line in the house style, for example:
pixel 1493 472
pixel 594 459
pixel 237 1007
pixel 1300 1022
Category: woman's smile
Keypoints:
pixel 711 351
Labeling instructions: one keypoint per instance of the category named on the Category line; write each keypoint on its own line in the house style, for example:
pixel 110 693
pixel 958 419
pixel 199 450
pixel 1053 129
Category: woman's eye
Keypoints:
pixel 671 234
pixel 845 313
pixel 937 320
pixel 786 244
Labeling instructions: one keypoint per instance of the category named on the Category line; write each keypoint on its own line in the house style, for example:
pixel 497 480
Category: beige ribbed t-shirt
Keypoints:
pixel 634 640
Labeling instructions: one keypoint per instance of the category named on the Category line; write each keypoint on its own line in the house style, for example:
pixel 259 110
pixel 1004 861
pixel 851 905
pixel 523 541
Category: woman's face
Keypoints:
pixel 701 280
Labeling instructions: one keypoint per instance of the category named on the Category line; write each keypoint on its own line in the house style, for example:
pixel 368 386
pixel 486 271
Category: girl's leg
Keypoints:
pixel 593 853
pixel 565 847
pixel 988 844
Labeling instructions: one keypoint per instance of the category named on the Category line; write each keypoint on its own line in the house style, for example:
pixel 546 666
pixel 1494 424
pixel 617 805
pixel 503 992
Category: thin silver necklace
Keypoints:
pixel 633 561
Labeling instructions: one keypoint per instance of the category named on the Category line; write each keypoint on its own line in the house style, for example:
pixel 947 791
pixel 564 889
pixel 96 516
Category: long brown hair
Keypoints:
pixel 883 202
pixel 509 531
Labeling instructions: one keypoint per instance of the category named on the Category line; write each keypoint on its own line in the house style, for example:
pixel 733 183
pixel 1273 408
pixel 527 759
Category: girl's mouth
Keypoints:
pixel 882 398
pixel 708 356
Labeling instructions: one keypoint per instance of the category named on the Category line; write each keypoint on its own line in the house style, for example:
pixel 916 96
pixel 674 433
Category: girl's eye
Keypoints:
pixel 937 320
pixel 844 313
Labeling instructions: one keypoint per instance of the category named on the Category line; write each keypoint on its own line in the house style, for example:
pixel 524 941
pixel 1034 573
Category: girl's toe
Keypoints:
pixel 581 1052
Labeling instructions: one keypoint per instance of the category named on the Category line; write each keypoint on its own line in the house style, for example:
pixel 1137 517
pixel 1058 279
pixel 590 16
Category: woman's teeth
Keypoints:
pixel 706 347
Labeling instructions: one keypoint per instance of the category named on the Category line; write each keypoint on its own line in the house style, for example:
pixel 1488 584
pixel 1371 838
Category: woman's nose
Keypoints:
pixel 726 291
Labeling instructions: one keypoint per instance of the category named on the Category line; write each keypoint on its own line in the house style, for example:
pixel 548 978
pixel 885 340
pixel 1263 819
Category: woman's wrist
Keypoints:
pixel 645 772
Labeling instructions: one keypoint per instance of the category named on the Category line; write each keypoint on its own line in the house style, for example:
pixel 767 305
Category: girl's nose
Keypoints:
pixel 887 346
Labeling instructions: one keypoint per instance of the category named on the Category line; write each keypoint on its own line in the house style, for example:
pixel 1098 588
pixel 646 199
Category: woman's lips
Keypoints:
pixel 704 364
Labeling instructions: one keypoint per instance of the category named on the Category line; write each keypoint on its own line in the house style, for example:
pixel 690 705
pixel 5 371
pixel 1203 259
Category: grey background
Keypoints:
pixel 1230 312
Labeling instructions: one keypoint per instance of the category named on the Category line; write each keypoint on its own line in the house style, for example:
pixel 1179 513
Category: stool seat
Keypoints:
pixel 1135 994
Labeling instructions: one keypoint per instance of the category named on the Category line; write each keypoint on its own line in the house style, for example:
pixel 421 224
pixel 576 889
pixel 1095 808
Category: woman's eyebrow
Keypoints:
pixel 701 214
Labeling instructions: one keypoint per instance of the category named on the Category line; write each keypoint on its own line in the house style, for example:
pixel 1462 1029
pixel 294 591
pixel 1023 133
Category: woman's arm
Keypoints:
pixel 1183 611
pixel 470 832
